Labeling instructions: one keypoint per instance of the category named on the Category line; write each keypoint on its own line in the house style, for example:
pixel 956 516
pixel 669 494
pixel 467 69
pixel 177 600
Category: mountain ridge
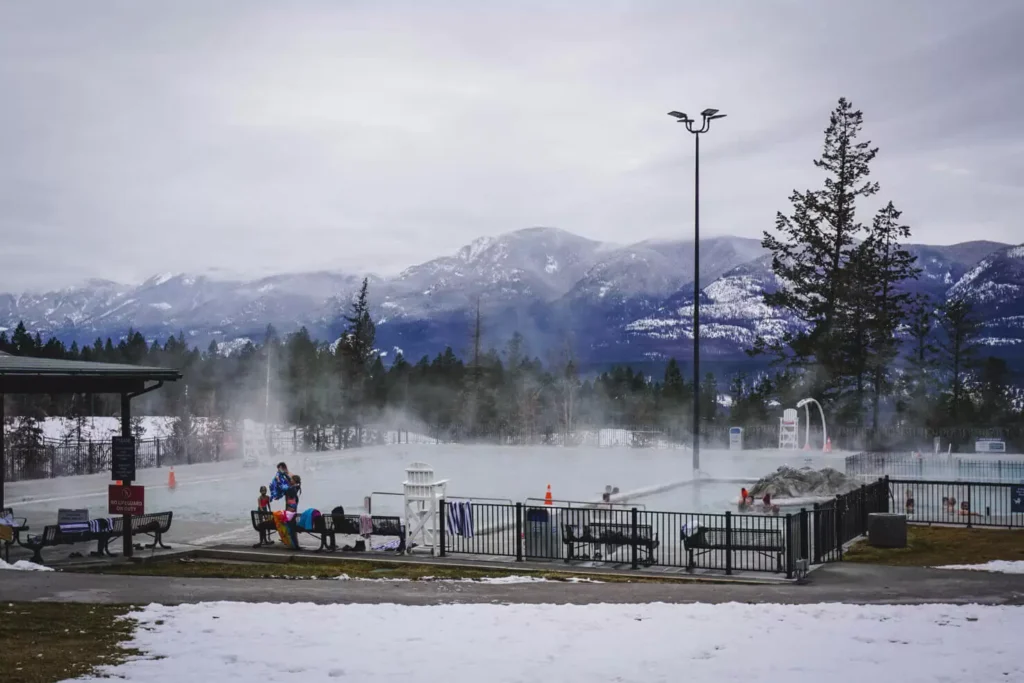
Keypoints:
pixel 605 301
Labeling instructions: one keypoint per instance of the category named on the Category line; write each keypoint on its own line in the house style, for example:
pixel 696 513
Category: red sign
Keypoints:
pixel 126 500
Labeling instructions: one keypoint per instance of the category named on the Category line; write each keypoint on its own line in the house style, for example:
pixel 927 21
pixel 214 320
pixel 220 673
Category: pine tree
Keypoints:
pixel 889 266
pixel 957 347
pixel 995 379
pixel 918 381
pixel 356 352
pixel 813 245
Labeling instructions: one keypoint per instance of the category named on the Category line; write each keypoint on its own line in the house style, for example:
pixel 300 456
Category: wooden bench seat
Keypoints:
pixel 328 527
pixel 768 542
pixel 102 531
pixel 606 537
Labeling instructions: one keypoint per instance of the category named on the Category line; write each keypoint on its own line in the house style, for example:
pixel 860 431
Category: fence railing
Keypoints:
pixel 726 542
pixel 46 460
pixel 935 467
pixel 844 518
pixel 963 503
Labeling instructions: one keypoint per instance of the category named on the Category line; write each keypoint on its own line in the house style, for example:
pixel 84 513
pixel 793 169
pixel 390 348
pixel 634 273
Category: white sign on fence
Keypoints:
pixel 735 438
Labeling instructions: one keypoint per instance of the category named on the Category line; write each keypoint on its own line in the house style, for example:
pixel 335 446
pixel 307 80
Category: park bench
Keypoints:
pixel 12 527
pixel 154 525
pixel 101 530
pixel 611 536
pixel 767 542
pixel 329 526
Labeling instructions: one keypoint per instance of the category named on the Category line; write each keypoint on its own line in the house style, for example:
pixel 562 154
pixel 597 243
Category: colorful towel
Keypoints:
pixel 279 486
pixel 284 523
pixel 307 521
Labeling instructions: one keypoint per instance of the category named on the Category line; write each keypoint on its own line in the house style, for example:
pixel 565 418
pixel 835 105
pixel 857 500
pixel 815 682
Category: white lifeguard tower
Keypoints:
pixel 423 496
pixel 789 425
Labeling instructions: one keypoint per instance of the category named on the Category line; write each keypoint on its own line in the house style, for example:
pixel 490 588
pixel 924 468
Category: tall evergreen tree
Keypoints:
pixel 918 380
pixel 958 346
pixel 811 247
pixel 356 353
pixel 889 266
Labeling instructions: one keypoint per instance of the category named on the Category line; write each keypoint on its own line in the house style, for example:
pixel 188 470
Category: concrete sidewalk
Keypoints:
pixel 850 583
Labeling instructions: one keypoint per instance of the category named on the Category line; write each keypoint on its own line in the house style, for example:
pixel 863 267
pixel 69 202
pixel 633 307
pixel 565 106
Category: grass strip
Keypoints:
pixel 358 569
pixel 43 642
pixel 933 546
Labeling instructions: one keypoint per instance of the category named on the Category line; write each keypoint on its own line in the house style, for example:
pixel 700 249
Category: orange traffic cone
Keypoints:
pixel 171 482
pixel 828 445
pixel 547 496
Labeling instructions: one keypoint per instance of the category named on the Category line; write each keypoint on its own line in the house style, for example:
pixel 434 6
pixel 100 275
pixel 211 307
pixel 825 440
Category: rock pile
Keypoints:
pixel 789 482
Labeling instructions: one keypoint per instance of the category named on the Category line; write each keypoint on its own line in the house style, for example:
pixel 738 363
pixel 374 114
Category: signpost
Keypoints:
pixel 122 458
pixel 1017 498
pixel 126 500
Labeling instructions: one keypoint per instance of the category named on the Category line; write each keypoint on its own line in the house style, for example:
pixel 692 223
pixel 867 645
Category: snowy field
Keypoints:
pixel 211 502
pixel 698 643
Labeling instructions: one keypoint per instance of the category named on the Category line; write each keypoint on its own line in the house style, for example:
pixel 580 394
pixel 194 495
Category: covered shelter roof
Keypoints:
pixel 24 375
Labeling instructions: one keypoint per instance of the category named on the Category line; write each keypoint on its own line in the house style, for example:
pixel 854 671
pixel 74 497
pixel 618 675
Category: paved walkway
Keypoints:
pixel 850 583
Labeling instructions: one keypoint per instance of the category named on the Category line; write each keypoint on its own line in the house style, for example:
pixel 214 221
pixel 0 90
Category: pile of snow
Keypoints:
pixel 699 643
pixel 1000 566
pixel 24 566
pixel 789 482
pixel 490 580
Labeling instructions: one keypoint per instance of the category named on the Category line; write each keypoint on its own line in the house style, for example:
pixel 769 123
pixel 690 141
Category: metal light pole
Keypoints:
pixel 707 116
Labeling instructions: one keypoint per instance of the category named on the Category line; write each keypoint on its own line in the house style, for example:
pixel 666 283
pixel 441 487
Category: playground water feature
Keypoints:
pixel 211 501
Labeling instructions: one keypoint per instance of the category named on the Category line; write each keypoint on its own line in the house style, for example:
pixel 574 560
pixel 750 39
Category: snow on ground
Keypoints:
pixel 489 579
pixel 1000 566
pixel 24 566
pixel 645 643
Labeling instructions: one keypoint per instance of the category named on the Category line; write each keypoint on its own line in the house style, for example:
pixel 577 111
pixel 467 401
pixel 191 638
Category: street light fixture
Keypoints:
pixel 707 116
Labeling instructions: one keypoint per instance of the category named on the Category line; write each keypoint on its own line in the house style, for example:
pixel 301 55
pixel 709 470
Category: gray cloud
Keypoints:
pixel 257 136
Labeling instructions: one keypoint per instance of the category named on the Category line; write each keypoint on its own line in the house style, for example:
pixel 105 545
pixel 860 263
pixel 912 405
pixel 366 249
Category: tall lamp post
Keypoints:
pixel 706 116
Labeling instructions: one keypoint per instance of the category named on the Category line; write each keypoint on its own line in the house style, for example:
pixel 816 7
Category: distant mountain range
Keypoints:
pixel 603 303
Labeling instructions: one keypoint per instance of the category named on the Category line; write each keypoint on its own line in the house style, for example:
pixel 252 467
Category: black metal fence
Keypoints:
pixel 964 503
pixel 46 460
pixel 634 537
pixel 630 537
pixel 844 518
pixel 934 467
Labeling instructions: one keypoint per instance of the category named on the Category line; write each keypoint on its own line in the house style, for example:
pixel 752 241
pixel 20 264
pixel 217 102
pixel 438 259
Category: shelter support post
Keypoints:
pixel 3 455
pixel 126 430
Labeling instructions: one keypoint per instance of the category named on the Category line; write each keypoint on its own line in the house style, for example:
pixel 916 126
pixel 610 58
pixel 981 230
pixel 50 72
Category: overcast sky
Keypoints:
pixel 250 137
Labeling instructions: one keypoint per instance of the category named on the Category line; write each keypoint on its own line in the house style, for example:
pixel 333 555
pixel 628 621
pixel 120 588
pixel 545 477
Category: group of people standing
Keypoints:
pixel 283 485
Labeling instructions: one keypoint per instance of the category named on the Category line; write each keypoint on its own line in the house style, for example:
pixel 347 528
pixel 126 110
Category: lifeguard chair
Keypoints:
pixel 423 496
pixel 789 425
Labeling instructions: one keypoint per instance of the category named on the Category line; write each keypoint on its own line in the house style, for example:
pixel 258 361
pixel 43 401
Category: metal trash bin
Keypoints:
pixel 543 534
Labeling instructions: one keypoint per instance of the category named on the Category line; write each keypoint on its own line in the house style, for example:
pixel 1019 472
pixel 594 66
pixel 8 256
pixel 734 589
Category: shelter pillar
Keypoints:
pixel 3 455
pixel 126 430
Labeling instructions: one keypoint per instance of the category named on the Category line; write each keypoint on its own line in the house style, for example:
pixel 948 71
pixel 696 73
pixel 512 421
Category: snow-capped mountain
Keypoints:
pixel 733 313
pixel 607 302
pixel 996 287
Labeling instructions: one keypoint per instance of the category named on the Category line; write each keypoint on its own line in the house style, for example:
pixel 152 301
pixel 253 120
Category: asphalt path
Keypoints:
pixel 842 582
